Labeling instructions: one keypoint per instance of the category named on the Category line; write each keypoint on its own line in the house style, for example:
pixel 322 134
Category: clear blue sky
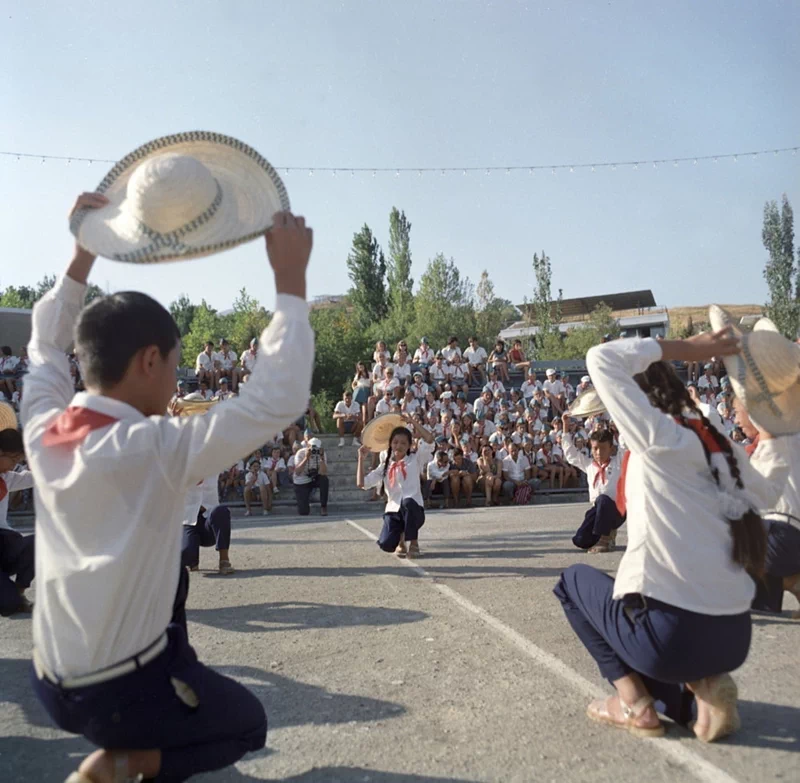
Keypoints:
pixel 423 83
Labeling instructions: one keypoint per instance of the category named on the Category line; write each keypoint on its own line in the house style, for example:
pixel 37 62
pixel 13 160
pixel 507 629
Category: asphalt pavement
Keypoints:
pixel 457 667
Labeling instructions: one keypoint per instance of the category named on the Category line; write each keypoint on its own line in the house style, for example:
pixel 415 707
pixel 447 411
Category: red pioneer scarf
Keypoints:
pixel 72 427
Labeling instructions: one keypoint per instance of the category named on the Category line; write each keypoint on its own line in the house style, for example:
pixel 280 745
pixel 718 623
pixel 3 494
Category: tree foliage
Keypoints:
pixel 780 272
pixel 543 311
pixel 340 343
pixel 400 284
pixel 366 268
pixel 182 310
pixel 492 313
pixel 24 297
pixel 443 304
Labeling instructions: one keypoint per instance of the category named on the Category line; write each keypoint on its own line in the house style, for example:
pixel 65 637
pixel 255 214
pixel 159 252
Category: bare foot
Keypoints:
pixel 104 766
pixel 717 715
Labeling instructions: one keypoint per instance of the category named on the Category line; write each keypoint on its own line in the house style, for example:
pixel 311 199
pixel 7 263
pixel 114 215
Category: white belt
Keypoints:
pixel 104 675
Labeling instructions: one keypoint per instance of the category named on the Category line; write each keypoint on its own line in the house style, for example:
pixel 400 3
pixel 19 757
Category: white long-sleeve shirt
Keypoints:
pixel 602 479
pixel 789 500
pixel 679 543
pixel 109 509
pixel 12 481
pixel 402 485
pixel 205 494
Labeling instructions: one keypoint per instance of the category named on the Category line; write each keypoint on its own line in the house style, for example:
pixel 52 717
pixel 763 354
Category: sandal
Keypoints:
pixel 720 693
pixel 599 712
pixel 413 550
pixel 225 567
pixel 601 547
pixel 401 549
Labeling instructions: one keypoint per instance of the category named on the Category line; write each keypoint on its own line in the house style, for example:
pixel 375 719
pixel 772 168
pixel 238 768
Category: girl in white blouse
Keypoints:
pixel 675 621
pixel 399 477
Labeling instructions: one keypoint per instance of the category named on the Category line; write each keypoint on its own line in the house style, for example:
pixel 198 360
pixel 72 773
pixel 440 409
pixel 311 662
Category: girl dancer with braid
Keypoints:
pixel 399 475
pixel 675 621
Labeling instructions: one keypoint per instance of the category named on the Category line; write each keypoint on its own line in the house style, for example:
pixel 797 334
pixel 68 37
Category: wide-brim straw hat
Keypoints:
pixel 180 197
pixel 587 404
pixel 765 375
pixel 377 433
pixel 8 417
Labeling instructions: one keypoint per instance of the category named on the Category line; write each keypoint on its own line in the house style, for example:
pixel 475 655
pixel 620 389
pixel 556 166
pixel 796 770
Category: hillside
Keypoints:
pixel 678 316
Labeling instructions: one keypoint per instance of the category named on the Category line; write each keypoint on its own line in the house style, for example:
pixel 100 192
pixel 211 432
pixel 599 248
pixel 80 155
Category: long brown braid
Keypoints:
pixel 666 391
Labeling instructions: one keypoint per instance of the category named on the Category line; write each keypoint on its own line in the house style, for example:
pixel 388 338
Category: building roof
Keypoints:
pixel 583 305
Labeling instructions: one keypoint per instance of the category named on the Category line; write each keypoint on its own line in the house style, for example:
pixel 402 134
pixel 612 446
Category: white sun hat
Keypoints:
pixel 587 404
pixel 180 197
pixel 765 375
pixel 8 417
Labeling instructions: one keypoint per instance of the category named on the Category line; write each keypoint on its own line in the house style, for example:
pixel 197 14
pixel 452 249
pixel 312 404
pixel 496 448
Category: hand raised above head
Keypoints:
pixel 289 244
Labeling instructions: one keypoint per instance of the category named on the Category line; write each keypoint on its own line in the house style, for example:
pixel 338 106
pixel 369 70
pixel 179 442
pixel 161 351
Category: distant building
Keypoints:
pixel 636 312
pixel 327 300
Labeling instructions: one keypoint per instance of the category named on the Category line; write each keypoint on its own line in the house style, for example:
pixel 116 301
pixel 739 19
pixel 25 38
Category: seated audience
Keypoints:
pixel 347 415
pixel 476 358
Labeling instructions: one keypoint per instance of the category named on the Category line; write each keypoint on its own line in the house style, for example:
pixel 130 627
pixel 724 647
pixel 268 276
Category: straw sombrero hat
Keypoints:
pixel 765 375
pixel 587 404
pixel 179 197
pixel 8 417
pixel 377 433
pixel 719 318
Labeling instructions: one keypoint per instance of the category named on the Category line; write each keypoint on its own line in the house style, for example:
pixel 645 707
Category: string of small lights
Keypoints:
pixel 419 171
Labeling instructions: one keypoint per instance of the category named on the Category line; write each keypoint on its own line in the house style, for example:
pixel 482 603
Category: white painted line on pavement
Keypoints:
pixel 699 767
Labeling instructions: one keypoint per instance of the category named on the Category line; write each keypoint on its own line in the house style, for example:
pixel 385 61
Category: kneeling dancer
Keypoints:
pixel 112 660
pixel 399 475
pixel 675 622
pixel 598 531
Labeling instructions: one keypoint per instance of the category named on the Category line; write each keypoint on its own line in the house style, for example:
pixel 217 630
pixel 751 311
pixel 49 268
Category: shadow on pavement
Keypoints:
pixel 292 703
pixel 766 725
pixel 359 775
pixel 298 615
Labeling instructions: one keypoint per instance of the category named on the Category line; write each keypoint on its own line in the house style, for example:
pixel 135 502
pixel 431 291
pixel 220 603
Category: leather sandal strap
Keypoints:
pixel 635 710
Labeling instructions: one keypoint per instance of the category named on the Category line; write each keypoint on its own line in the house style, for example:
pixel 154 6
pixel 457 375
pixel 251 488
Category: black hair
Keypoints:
pixel 666 391
pixel 602 436
pixel 114 328
pixel 6 350
pixel 208 342
pixel 395 431
pixel 11 441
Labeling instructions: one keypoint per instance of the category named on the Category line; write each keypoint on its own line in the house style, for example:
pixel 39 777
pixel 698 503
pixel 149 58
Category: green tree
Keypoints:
pixel 206 325
pixel 780 272
pixel 24 297
pixel 444 303
pixel 366 267
pixel 543 312
pixel 400 284
pixel 491 312
pixel 340 343
pixel 248 320
pixel 580 339
pixel 182 310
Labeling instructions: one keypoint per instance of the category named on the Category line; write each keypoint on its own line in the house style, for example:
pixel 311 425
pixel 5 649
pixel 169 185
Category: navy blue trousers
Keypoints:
pixel 665 645
pixel 405 522
pixel 783 560
pixel 212 529
pixel 600 520
pixel 16 559
pixel 141 710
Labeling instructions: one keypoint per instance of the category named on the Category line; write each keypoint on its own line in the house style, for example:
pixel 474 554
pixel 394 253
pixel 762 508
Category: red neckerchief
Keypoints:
pixel 3 489
pixel 394 468
pixel 622 503
pixel 753 446
pixel 72 427
pixel 601 472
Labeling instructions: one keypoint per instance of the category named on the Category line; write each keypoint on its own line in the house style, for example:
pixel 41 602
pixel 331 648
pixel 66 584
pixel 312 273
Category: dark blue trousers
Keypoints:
pixel 213 528
pixel 783 560
pixel 16 559
pixel 665 645
pixel 600 520
pixel 405 522
pixel 142 710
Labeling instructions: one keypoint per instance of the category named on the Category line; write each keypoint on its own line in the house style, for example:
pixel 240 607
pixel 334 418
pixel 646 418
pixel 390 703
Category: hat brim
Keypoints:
pixel 587 404
pixel 8 417
pixel 251 194
pixel 377 433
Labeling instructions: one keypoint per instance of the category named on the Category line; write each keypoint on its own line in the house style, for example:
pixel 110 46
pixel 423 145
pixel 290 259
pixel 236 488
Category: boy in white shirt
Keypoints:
pixel 439 372
pixel 275 468
pixel 347 415
pixel 257 484
pixel 16 550
pixel 451 350
pixel 707 381
pixel 419 388
pixel 438 475
pixel 8 371
pixel 248 360
pixel 107 625
pixel 459 378
pixel 225 360
pixel 584 385
pixel 477 357
pixel 516 471
pixel 224 392
pixel 410 403
pixel 495 385
pixel 204 366
pixel 555 392
pixel 384 404
pixel 530 385
pixel 423 356
pixel 402 369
